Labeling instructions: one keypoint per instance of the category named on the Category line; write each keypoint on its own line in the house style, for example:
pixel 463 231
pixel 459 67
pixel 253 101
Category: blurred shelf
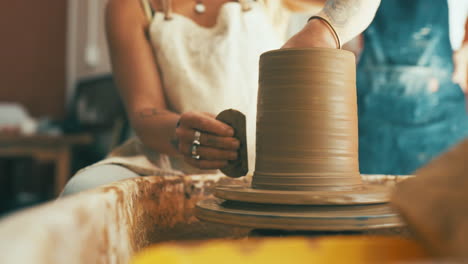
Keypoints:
pixel 56 149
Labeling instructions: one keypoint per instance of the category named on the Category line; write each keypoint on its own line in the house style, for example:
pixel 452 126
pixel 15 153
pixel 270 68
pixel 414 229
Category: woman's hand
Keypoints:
pixel 460 63
pixel 217 144
pixel 349 18
pixel 314 35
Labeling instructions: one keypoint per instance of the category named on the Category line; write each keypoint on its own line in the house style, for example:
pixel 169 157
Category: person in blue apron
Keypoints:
pixel 410 111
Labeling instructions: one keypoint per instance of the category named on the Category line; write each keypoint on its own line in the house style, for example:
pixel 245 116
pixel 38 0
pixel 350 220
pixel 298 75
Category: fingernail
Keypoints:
pixel 230 130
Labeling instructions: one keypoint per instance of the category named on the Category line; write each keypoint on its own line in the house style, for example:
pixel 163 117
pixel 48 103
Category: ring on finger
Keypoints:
pixel 193 151
pixel 196 138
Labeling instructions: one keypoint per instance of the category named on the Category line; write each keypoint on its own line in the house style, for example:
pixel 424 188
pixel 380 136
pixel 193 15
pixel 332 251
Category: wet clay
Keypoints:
pixel 307 134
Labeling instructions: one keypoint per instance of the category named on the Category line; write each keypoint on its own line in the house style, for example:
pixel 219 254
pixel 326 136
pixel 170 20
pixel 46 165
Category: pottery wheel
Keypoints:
pixel 363 194
pixel 359 208
pixel 297 217
pixel 307 166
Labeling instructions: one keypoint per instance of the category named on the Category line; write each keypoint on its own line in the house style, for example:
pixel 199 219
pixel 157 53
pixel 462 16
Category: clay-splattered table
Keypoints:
pixel 111 223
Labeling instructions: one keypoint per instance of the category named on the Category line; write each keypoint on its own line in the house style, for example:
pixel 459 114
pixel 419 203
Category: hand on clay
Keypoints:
pixel 460 63
pixel 217 144
pixel 314 35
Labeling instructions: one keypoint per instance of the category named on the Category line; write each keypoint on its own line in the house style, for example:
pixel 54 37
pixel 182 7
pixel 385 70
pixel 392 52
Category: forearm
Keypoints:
pixel 349 17
pixel 156 129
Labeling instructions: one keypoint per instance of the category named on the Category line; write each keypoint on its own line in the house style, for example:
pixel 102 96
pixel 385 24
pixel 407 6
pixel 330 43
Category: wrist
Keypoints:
pixel 321 32
pixel 315 34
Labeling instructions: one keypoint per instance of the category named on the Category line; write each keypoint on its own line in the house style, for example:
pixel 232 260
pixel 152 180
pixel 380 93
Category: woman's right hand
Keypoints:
pixel 217 144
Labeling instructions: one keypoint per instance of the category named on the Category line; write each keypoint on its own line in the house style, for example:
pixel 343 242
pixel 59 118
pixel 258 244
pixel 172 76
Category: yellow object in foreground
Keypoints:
pixel 336 249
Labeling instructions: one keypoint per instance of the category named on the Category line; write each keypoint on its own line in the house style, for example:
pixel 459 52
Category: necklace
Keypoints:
pixel 200 8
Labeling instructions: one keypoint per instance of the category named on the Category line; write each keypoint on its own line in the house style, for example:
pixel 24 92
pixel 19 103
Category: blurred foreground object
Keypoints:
pixel 112 223
pixel 338 249
pixel 434 203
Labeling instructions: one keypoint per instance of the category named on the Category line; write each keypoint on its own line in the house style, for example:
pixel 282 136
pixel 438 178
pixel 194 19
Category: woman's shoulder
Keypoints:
pixel 125 13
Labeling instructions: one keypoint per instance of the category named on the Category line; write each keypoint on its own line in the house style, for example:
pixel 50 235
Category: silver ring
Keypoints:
pixel 194 152
pixel 196 138
pixel 195 144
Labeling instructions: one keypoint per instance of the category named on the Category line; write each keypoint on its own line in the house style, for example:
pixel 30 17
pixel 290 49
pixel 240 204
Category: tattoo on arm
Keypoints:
pixel 340 11
pixel 151 112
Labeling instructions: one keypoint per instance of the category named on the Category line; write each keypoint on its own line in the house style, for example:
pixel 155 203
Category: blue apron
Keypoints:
pixel 409 109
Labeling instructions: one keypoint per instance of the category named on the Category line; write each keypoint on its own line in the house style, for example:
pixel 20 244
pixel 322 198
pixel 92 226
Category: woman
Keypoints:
pixel 179 63
pixel 410 109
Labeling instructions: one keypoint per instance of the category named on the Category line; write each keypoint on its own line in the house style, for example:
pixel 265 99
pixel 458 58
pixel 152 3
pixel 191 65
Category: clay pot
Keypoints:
pixel 307 129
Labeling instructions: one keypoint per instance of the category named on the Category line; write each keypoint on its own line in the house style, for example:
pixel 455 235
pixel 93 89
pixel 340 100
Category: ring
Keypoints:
pixel 195 144
pixel 194 152
pixel 196 138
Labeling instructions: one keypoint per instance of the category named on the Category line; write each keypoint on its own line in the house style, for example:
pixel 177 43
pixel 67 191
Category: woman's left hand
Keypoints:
pixel 460 63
